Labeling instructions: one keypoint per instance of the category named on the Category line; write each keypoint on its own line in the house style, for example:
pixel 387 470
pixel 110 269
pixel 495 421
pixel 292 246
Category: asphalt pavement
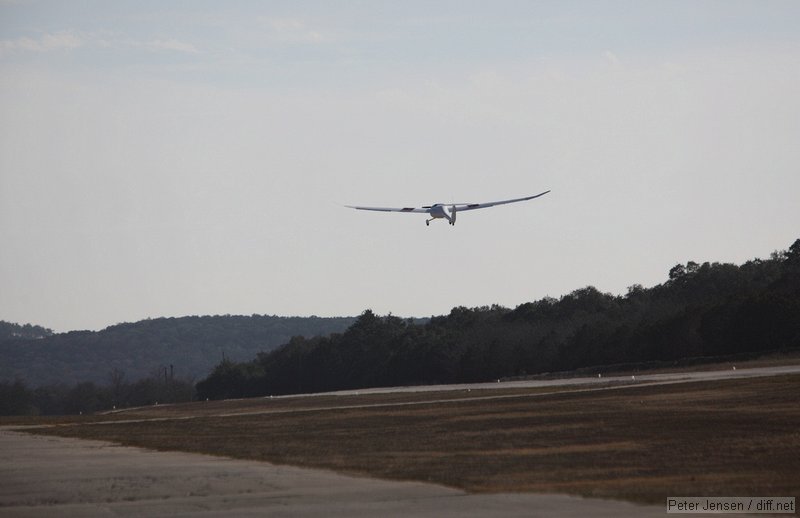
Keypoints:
pixel 43 476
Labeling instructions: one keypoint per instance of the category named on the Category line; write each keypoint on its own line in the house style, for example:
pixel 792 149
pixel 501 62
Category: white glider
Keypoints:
pixel 447 210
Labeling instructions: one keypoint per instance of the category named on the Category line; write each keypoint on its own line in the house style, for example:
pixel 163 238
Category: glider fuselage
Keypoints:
pixel 439 211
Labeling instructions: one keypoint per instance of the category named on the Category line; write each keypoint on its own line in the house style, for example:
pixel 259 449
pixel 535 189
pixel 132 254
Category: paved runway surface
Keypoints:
pixel 664 378
pixel 51 476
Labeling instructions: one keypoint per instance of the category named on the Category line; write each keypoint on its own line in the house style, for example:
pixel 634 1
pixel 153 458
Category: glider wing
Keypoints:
pixel 461 207
pixel 390 209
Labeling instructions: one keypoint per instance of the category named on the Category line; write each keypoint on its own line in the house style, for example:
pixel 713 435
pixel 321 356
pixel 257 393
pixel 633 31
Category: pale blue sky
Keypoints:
pixel 174 158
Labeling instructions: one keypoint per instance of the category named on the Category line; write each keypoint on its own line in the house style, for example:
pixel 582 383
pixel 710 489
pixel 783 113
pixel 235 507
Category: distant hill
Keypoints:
pixel 191 345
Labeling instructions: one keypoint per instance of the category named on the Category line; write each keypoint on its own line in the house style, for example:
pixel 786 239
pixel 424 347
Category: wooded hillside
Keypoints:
pixel 707 309
pixel 191 345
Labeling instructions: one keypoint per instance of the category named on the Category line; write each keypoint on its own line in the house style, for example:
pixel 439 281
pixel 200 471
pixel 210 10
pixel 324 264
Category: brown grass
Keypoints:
pixel 642 443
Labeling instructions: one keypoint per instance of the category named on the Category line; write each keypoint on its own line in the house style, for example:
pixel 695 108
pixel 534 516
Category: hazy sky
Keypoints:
pixel 178 158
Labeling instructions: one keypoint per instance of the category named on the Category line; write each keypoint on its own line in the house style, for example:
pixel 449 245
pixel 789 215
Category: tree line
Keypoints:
pixel 708 309
pixel 162 386
pixel 11 331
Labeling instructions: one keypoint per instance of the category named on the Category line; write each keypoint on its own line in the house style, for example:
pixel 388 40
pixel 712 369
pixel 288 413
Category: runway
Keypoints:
pixel 587 381
pixel 60 477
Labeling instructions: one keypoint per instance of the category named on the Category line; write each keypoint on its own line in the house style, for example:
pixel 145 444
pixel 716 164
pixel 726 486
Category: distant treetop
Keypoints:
pixel 25 332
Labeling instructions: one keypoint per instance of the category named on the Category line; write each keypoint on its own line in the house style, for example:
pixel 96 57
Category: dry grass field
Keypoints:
pixel 736 437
